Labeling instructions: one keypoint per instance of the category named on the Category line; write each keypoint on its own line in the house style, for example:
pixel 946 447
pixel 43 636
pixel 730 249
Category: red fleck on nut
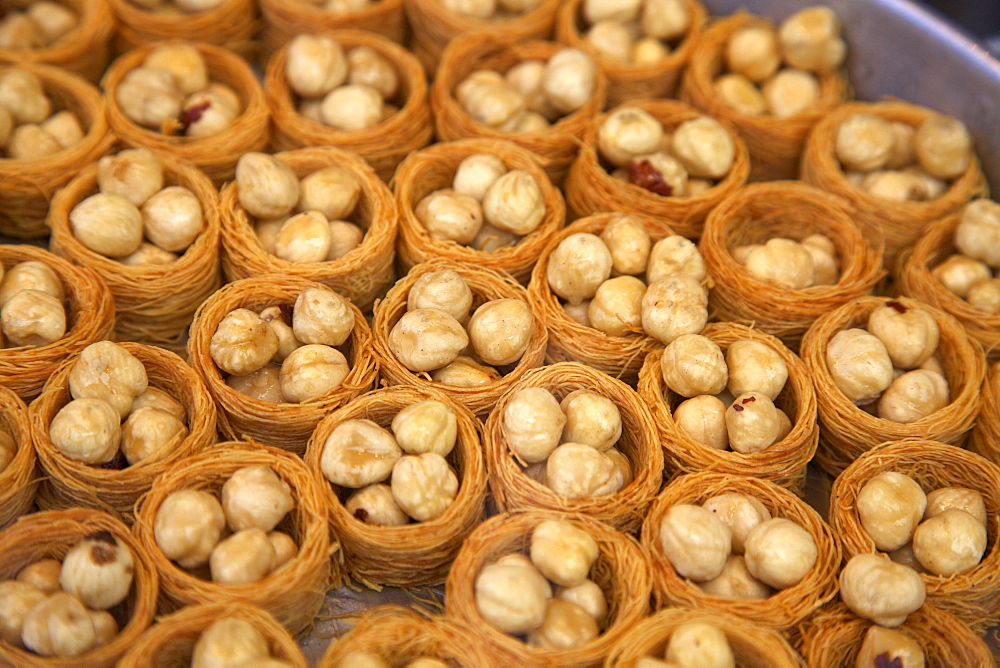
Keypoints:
pixel 642 173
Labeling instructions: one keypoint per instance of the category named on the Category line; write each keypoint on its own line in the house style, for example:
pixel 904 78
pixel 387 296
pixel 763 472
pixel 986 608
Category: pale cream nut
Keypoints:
pixel 779 552
pixel 424 485
pixel 890 506
pixel 579 471
pixel 358 453
pixel 533 424
pixel 875 588
pixel 591 419
pixel 695 542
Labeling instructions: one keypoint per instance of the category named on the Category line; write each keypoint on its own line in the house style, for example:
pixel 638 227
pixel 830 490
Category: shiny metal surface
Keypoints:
pixel 897 48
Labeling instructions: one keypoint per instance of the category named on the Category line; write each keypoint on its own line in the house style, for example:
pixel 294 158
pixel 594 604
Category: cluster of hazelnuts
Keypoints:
pixel 29 127
pixel 515 592
pixel 134 218
pixel 115 418
pixel 790 263
pixel 32 312
pixel 531 95
pixel 670 302
pixel 65 608
pixel 437 332
pixel 361 455
pixel 683 163
pixel 635 32
pixel 232 641
pixel 732 547
pixel 694 644
pixel 35 24
pixel 897 161
pixel 729 397
pixel 569 446
pixel 299 220
pixel 774 71
pixel 349 91
pixel 891 368
pixel 488 207
pixel 191 527
pixel 969 273
pixel 172 92
pixel 284 354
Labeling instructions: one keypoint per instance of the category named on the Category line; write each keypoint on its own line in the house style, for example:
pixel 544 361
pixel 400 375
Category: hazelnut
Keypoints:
pixel 957 498
pixel 149 97
pixel 950 543
pixel 369 68
pixel 23 95
pixel 86 430
pixel 476 173
pixel 736 583
pixel 810 39
pixel 32 318
pixel 31 275
pixel 695 541
pixel 19 32
pixel 675 254
pixel 616 308
pixel 242 343
pixel 790 92
pixel 445 290
pixel 305 237
pixel 913 396
pixel 779 552
pixel 659 173
pixel 277 318
pixel 333 191
pixel 344 237
pixel 741 94
pixel 264 384
pixel 752 422
pixel 65 127
pixel 172 218
pixel 526 78
pixel 358 453
pixel 135 174
pixel 465 372
pixel 591 419
pixel 699 644
pixel 322 316
pixel 859 364
pixel 703 420
pixel 782 261
pixel 310 371
pixel 150 433
pixel 17 599
pixel 229 641
pixel 31 142
pixel 500 331
pixel 978 232
pixel 514 203
pixel 890 505
pixel 43 575
pixel 865 142
pixel 569 79
pixel 580 313
pixel 755 367
pixel 875 588
pixel 673 306
pixel 426 426
pixel 105 626
pixel 693 364
pixel 107 224
pixel 533 424
pixel 579 471
pixel 881 644
pixel 58 626
pixel 184 63
pixel 627 133
pixel 578 266
pixel 943 146
pixel 629 243
pixel 98 571
pixel 753 52
pixel 210 111
pixel 188 525
pixel 704 147
pixel 426 339
pixel 255 497
pixel 589 596
pixel 566 626
pixel 315 65
pixel 563 552
pixel 449 215
pixel 267 188
pixel 244 557
pixel 423 485
pixel 285 549
pixel 896 186
pixel 910 334
pixel 512 597
pixel 665 19
pixel 960 274
pixel 740 513
pixel 374 504
pixel 352 107
pixel 611 40
pixel 488 98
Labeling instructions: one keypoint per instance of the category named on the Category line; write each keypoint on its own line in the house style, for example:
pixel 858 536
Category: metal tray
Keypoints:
pixel 896 48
